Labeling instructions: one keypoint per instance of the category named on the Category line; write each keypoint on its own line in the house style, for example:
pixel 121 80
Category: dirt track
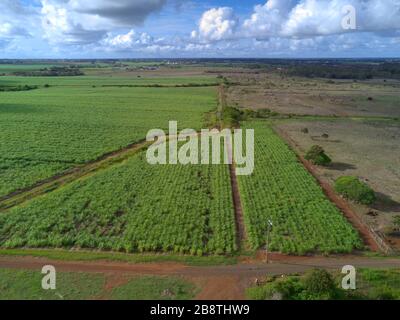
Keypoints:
pixel 237 202
pixel 217 282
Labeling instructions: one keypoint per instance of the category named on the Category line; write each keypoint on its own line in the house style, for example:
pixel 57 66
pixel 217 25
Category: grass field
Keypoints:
pixel 47 131
pixel 281 190
pixel 27 285
pixel 155 288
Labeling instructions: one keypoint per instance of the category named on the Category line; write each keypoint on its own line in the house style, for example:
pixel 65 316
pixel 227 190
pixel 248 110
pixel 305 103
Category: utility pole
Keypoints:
pixel 269 228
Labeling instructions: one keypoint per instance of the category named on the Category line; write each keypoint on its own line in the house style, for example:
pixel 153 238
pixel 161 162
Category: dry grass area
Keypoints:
pixel 301 96
pixel 364 148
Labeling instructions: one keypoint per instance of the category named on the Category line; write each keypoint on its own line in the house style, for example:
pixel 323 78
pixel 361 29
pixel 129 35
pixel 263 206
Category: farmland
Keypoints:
pixel 49 130
pixel 281 190
pixel 109 81
pixel 77 192
pixel 133 207
pixel 75 120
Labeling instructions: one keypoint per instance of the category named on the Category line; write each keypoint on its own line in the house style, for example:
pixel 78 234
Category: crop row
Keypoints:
pixel 282 191
pixel 132 207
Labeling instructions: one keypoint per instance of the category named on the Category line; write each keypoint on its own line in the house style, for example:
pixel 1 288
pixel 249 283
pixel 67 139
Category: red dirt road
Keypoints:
pixel 216 282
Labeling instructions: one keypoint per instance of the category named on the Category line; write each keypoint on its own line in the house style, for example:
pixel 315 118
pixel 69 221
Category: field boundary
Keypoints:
pixel 237 204
pixel 161 86
pixel 369 238
pixel 241 234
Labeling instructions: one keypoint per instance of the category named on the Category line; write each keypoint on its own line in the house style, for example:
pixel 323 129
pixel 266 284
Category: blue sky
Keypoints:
pixel 188 28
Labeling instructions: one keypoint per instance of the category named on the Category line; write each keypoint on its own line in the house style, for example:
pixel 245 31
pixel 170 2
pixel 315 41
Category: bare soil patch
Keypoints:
pixel 322 97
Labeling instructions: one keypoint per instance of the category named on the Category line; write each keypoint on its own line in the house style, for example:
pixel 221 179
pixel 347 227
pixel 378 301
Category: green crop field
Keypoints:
pixel 49 130
pixel 132 207
pixel 104 81
pixel 304 220
pixel 10 68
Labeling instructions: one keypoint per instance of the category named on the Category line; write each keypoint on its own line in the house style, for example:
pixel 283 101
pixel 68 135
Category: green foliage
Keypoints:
pixel 265 114
pixel 17 88
pixel 321 285
pixel 354 189
pixel 344 70
pixel 155 288
pixel 288 288
pixel 281 189
pixel 55 71
pixel 231 117
pixel 318 156
pixel 320 282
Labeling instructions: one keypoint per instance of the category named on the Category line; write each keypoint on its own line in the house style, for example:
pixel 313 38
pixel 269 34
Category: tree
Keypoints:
pixel 318 156
pixel 320 282
pixel 352 188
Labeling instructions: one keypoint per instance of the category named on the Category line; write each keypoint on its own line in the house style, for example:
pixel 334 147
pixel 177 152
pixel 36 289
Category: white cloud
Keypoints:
pixel 277 27
pixel 130 40
pixel 267 19
pixel 81 22
pixel 60 26
pixel 309 18
pixel 217 24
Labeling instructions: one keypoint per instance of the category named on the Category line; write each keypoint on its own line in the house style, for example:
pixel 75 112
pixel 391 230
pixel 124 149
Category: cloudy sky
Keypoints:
pixel 208 28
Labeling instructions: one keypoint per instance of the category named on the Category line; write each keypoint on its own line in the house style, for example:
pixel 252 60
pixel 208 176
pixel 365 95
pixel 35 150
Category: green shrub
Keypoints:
pixel 354 189
pixel 289 288
pixel 231 117
pixel 320 282
pixel 318 156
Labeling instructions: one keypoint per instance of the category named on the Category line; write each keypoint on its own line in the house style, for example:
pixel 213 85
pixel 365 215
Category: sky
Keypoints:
pixel 70 29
